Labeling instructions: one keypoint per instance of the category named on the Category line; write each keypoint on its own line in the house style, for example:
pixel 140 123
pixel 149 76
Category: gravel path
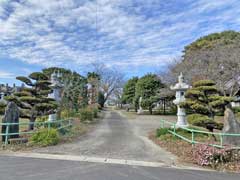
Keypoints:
pixel 116 137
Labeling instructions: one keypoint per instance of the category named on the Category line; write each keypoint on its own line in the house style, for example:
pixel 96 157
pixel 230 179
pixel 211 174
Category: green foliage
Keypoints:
pixel 208 42
pixel 86 114
pixel 147 87
pixel 45 137
pixel 129 90
pixel 29 99
pixel 164 134
pixel 235 109
pixel 101 99
pixel 38 76
pixel 45 106
pixel 203 121
pixel 93 76
pixel 2 107
pixel 74 90
pixel 22 93
pixel 206 82
pixel 205 99
pixel 161 132
pixel 25 80
pixel 95 112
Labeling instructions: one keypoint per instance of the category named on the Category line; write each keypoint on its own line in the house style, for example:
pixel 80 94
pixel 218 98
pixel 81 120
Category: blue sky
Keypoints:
pixel 134 36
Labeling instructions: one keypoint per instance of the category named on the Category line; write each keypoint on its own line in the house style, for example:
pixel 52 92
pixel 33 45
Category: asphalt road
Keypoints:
pixel 115 137
pixel 17 168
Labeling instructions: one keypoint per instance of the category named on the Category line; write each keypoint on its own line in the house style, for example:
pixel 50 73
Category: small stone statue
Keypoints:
pixel 140 110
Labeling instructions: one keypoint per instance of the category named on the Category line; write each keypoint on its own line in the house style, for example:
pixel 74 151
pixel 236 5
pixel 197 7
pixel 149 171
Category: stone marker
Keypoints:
pixel 232 126
pixel 11 116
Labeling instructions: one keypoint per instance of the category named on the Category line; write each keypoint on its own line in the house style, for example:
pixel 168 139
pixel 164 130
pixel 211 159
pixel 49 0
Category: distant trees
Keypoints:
pixel 215 57
pixel 148 87
pixel 93 80
pixel 129 91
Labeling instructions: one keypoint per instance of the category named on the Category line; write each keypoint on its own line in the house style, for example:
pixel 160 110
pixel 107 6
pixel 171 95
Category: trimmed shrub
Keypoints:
pixel 236 109
pixel 45 137
pixel 161 132
pixel 203 121
pixel 198 119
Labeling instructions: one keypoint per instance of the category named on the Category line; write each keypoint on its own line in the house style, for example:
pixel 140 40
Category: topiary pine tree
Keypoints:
pixel 33 100
pixel 205 99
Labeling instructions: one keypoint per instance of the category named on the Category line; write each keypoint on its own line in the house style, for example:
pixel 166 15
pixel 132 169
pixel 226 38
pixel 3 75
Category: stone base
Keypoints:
pixel 18 140
pixel 140 111
pixel 182 125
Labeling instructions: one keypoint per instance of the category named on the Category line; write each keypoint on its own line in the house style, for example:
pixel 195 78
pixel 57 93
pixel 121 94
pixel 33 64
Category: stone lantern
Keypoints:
pixel 56 86
pixel 181 87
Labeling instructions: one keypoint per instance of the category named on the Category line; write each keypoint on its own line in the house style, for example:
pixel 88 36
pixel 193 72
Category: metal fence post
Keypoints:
pixel 49 125
pixel 221 139
pixel 192 137
pixel 6 134
pixel 174 128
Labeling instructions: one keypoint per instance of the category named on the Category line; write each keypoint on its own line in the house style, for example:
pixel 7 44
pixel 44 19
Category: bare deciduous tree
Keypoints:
pixel 110 79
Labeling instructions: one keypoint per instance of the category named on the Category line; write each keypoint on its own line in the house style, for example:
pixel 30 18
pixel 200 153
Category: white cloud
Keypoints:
pixel 122 32
pixel 6 75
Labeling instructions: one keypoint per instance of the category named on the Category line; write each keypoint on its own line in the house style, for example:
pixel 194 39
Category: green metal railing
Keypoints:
pixel 58 124
pixel 220 135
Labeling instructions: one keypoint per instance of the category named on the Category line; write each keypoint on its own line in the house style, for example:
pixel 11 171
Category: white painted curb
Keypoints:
pixel 97 160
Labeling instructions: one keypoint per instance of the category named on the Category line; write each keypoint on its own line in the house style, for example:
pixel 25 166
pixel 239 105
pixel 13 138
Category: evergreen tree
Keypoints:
pixel 33 100
pixel 129 91
pixel 74 90
pixel 205 99
pixel 148 87
pixel 101 99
